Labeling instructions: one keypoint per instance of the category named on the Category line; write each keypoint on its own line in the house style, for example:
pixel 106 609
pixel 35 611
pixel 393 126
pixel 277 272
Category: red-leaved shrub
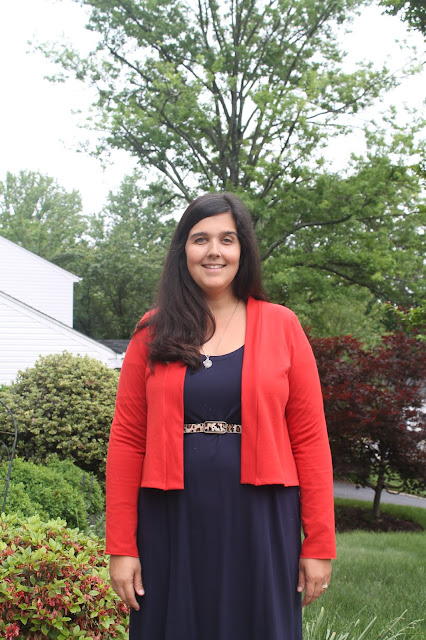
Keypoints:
pixel 54 584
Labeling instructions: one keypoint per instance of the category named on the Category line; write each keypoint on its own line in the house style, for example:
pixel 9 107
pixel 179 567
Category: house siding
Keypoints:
pixel 25 335
pixel 36 282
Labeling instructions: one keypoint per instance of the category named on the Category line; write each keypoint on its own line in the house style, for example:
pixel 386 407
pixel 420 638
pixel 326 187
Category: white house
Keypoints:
pixel 36 313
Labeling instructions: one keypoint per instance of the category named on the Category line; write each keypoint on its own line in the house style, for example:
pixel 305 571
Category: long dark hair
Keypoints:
pixel 181 320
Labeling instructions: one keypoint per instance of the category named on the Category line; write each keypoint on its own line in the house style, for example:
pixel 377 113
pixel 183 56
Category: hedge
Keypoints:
pixel 58 489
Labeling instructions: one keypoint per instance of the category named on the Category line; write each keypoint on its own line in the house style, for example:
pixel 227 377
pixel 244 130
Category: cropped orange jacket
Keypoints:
pixel 283 441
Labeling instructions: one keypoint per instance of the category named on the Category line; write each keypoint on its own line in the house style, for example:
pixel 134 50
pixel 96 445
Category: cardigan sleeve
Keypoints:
pixel 126 451
pixel 311 450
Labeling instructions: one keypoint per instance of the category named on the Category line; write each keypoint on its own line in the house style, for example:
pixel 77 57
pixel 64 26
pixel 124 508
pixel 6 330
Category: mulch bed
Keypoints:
pixel 351 518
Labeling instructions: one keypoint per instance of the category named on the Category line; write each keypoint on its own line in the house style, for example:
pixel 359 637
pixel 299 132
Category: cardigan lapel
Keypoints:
pixel 249 395
pixel 173 420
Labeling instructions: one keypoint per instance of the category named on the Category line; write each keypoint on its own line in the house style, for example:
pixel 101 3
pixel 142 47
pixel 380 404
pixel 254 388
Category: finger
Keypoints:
pixel 137 582
pixel 325 583
pixel 126 593
pixel 130 597
pixel 301 581
pixel 310 593
pixel 315 590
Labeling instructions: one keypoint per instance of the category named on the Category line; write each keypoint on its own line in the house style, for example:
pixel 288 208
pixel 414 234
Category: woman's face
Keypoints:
pixel 213 254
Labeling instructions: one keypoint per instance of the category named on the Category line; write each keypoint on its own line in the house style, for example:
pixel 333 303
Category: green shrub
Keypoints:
pixel 64 404
pixel 83 482
pixel 39 490
pixel 54 584
pixel 53 491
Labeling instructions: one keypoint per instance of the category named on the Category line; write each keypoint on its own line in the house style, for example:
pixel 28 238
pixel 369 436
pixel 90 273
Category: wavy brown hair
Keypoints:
pixel 181 320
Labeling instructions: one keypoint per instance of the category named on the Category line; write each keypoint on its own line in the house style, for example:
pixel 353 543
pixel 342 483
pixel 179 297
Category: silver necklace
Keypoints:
pixel 207 362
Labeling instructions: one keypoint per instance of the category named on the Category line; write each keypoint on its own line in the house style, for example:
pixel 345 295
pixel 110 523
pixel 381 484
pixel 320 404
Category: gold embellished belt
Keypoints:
pixel 212 426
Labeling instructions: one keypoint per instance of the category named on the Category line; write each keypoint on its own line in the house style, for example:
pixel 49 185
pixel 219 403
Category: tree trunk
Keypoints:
pixel 377 495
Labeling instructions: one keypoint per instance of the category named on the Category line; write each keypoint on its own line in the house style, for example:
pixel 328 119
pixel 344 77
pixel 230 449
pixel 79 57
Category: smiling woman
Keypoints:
pixel 205 463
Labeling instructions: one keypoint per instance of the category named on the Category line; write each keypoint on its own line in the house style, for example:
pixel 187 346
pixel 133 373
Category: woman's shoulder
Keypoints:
pixel 143 326
pixel 273 311
pixel 142 333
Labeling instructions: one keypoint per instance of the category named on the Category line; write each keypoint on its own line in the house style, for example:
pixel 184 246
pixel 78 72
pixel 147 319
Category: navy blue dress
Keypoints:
pixel 219 559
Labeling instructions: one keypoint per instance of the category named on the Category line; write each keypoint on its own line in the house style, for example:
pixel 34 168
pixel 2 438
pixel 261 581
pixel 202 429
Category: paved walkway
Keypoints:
pixel 347 490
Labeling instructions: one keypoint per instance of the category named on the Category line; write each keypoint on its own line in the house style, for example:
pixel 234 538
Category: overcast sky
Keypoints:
pixel 39 132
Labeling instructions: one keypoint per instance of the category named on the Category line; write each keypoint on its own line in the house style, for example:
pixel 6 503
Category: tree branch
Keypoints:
pixel 302 225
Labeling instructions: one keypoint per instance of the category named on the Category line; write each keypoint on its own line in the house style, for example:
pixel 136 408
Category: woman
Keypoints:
pixel 218 442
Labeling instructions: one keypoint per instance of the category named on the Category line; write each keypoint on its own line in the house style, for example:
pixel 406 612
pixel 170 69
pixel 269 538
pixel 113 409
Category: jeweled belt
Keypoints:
pixel 212 426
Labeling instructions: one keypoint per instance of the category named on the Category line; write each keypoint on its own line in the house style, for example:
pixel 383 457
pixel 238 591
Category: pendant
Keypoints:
pixel 207 362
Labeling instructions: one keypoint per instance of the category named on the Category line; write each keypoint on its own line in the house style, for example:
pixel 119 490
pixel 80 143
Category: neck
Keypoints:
pixel 221 304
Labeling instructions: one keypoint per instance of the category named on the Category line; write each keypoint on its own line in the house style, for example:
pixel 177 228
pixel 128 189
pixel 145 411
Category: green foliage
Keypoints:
pixel 245 96
pixel 122 267
pixel 81 481
pixel 412 11
pixel 54 584
pixel 40 215
pixel 412 321
pixel 346 235
pixel 64 404
pixel 233 94
pixel 345 311
pixel 58 489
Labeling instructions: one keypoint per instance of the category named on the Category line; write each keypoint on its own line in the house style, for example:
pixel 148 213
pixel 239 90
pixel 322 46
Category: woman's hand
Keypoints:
pixel 314 578
pixel 126 579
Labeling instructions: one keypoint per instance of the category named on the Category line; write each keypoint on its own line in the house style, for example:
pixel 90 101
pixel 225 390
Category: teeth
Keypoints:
pixel 213 266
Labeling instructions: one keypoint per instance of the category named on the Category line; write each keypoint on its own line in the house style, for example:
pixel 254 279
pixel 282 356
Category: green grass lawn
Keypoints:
pixel 376 574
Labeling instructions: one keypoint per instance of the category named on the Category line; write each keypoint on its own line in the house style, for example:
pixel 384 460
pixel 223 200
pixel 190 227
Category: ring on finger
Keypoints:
pixel 324 586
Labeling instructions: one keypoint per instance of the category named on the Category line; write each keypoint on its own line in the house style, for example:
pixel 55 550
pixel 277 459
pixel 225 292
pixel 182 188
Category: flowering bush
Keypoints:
pixel 53 584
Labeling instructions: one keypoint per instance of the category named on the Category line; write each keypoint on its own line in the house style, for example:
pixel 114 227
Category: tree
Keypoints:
pixel 40 215
pixel 123 265
pixel 370 237
pixel 374 405
pixel 244 96
pixel 413 12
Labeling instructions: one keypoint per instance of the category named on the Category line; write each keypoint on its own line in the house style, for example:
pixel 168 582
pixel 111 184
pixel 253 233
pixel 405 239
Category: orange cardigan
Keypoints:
pixel 283 441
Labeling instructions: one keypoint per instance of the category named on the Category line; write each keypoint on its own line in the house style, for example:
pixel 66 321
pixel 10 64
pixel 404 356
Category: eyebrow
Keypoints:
pixel 200 234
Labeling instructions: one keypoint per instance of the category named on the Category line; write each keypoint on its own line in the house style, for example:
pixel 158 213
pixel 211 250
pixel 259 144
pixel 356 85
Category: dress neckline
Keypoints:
pixel 227 355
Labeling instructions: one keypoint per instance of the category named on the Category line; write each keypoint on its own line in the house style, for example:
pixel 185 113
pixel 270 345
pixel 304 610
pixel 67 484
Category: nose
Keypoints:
pixel 214 247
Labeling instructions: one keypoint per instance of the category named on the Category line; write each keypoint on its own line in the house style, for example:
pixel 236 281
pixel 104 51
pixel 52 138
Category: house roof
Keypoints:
pixel 60 325
pixel 18 248
pixel 119 346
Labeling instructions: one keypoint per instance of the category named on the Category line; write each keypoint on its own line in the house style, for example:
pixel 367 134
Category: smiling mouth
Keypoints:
pixel 213 266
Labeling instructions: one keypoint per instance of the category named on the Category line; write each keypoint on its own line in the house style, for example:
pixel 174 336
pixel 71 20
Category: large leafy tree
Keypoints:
pixel 373 399
pixel 40 215
pixel 245 95
pixel 233 94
